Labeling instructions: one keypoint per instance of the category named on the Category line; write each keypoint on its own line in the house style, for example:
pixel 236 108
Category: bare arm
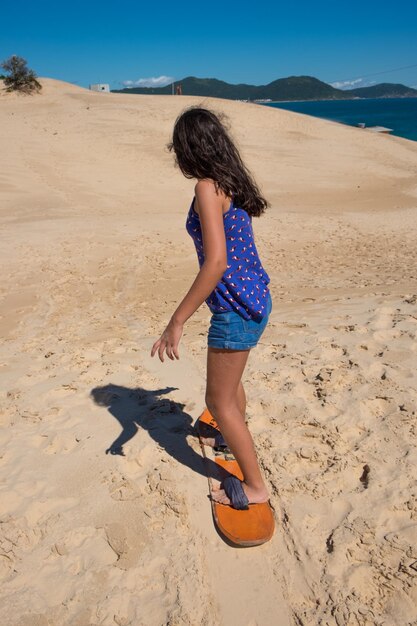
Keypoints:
pixel 215 254
pixel 211 271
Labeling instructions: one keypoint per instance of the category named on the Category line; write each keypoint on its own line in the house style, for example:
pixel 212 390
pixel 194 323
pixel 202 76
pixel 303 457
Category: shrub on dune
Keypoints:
pixel 20 77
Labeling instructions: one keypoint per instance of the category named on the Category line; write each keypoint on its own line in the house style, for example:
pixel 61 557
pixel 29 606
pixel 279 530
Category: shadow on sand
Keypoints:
pixel 165 421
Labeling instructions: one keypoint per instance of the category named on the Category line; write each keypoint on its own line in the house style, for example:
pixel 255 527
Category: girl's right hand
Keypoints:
pixel 169 341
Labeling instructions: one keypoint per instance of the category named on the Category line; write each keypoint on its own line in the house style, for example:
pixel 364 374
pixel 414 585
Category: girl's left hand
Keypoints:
pixel 169 341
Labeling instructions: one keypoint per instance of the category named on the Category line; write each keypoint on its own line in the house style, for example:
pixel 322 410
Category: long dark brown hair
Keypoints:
pixel 204 149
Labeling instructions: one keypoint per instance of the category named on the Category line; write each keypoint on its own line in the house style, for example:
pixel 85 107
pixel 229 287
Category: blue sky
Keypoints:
pixel 129 42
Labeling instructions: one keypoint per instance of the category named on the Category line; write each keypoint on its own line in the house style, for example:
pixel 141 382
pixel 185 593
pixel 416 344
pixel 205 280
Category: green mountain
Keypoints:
pixel 192 86
pixel 290 88
pixel 385 90
pixel 299 88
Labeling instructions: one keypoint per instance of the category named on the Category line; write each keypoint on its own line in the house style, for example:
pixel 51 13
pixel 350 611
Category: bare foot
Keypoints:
pixel 255 496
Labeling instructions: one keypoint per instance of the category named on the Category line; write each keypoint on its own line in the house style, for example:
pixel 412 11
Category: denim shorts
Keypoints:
pixel 231 331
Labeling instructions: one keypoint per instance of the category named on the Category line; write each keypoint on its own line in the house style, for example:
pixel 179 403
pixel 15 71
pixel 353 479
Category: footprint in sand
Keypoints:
pixel 60 444
pixel 39 512
pixel 377 407
pixel 84 548
pixel 16 539
pixel 128 541
pixel 122 488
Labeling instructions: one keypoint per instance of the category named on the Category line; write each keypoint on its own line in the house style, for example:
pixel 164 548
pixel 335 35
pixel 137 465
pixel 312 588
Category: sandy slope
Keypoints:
pixel 95 258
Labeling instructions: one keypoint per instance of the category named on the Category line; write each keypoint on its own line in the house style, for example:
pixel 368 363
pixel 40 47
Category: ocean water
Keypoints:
pixel 400 114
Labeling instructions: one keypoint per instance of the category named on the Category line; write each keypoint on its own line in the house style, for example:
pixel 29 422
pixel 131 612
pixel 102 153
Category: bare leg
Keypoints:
pixel 225 401
pixel 241 400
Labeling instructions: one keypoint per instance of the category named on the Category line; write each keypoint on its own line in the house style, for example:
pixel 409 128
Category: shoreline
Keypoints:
pixel 397 127
pixel 338 99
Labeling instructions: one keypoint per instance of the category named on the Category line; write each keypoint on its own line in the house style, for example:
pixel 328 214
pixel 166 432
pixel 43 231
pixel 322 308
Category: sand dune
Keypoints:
pixel 95 259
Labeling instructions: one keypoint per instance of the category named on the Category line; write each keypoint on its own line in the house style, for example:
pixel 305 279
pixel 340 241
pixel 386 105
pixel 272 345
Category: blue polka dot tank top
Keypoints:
pixel 243 286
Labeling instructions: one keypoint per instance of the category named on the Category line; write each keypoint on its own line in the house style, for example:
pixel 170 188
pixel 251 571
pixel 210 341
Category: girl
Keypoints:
pixel 231 281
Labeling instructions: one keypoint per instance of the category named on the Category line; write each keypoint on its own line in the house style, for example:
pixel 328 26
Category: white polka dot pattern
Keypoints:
pixel 243 286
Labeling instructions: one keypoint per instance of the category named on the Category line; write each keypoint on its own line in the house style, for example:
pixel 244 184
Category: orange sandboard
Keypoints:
pixel 250 527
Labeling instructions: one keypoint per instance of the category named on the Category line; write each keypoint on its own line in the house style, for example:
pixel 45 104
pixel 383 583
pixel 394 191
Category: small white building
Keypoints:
pixel 100 87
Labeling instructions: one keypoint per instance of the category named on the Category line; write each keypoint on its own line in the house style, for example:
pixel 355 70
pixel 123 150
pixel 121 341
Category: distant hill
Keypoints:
pixel 291 88
pixel 192 86
pixel 385 90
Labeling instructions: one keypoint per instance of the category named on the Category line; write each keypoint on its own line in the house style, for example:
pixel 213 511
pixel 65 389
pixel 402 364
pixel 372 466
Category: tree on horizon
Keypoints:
pixel 20 78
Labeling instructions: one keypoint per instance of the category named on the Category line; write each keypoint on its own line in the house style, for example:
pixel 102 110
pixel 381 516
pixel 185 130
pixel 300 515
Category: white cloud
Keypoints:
pixel 353 84
pixel 159 81
pixel 346 84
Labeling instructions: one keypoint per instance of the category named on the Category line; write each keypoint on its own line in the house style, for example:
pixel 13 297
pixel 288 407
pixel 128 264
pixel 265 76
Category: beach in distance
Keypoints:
pixel 104 514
